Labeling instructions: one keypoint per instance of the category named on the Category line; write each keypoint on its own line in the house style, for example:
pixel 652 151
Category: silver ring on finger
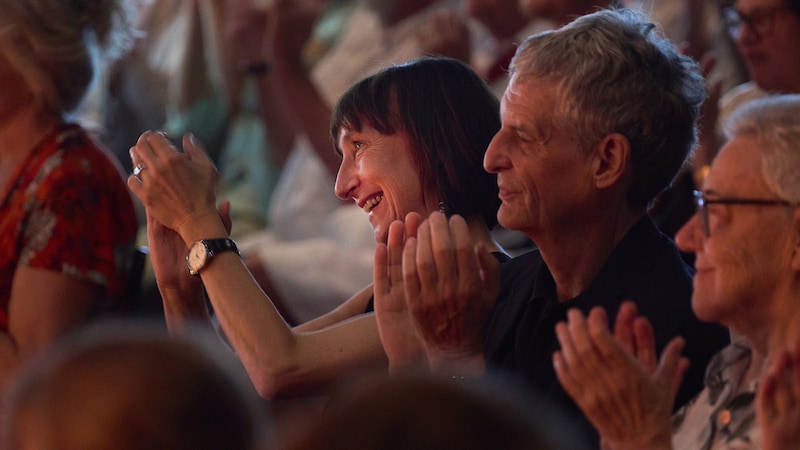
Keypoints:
pixel 137 171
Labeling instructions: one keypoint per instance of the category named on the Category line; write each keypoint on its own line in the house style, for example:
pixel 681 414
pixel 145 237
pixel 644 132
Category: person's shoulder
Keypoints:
pixel 86 154
pixel 83 172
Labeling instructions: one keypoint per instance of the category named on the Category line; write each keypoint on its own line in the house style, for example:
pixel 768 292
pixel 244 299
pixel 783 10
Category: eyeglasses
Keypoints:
pixel 761 21
pixel 702 205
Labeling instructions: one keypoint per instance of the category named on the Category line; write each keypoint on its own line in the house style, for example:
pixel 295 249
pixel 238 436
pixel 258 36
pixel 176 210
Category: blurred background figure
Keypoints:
pixel 749 50
pixel 131 387
pixel 766 33
pixel 67 222
pixel 191 71
pixel 499 26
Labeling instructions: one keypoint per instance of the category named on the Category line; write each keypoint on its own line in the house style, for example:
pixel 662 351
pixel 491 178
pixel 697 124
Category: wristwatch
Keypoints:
pixel 201 252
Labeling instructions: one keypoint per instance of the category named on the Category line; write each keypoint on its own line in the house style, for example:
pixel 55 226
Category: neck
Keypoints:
pixel 576 254
pixel 773 329
pixel 21 132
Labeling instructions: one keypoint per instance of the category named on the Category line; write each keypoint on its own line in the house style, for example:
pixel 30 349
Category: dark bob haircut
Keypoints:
pixel 449 115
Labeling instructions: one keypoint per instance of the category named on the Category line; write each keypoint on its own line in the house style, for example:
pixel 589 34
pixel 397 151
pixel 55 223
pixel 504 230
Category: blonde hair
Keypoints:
pixel 57 45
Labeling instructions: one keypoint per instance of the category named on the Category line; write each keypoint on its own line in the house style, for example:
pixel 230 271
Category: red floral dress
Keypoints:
pixel 68 210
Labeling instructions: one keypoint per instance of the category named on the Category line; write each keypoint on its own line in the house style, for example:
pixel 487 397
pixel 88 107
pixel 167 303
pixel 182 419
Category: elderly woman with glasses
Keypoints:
pixel 746 236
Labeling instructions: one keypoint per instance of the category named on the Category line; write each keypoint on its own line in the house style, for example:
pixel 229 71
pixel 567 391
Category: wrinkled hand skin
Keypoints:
pixel 451 286
pixel 177 189
pixel 778 402
pixel 167 253
pixel 617 381
pixel 399 336
pixel 167 192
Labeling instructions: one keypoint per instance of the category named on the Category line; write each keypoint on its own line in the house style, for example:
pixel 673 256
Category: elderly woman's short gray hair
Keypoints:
pixel 775 124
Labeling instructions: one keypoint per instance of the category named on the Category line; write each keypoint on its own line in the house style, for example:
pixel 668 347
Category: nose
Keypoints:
pixel 496 158
pixel 688 236
pixel 346 180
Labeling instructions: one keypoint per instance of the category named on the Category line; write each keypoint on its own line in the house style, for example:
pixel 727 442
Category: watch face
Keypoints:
pixel 197 257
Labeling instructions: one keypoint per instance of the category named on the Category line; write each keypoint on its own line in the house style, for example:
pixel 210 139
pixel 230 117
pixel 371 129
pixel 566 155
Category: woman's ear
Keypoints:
pixel 612 160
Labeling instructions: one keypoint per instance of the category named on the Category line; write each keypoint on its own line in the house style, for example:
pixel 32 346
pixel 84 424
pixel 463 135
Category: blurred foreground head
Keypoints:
pixel 429 412
pixel 130 387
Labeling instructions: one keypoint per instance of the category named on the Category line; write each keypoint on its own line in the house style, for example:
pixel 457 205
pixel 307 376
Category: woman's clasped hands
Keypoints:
pixel 176 188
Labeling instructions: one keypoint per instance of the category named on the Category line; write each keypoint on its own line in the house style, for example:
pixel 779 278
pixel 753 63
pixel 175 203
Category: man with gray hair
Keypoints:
pixel 598 118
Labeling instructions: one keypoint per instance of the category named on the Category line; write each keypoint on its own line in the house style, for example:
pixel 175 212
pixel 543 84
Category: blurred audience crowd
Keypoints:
pixel 628 281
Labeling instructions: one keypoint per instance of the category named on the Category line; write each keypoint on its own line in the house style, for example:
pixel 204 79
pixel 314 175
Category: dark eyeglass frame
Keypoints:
pixel 761 21
pixel 702 202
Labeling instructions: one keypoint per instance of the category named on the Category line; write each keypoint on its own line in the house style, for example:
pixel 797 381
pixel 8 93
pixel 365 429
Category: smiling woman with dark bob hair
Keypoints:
pixel 412 139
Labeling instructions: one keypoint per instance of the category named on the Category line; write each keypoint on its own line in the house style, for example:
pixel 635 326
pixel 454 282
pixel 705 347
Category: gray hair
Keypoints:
pixel 56 45
pixel 616 75
pixel 775 124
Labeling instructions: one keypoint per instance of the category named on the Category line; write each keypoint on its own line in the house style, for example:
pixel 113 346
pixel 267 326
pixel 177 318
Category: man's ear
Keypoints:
pixel 612 157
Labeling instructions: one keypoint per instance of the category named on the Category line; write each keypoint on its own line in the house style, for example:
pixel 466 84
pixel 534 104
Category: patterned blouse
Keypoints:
pixel 723 415
pixel 67 210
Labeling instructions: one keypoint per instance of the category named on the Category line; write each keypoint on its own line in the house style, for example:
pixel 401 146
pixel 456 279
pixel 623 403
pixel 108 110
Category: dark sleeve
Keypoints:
pixel 666 300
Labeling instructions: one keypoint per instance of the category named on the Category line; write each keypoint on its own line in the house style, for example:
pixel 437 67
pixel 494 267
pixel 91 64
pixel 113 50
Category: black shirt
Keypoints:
pixel 645 267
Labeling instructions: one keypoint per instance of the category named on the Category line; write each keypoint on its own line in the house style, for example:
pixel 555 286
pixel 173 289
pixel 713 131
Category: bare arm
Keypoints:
pixel 354 306
pixel 293 23
pixel 181 294
pixel 177 190
pixel 248 51
pixel 44 305
pixel 282 361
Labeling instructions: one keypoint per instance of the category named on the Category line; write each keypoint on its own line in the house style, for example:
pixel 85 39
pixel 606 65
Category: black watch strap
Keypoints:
pixel 215 246
pixel 202 252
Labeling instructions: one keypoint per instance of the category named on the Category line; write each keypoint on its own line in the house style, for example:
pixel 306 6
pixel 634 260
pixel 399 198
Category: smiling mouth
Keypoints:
pixel 370 204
